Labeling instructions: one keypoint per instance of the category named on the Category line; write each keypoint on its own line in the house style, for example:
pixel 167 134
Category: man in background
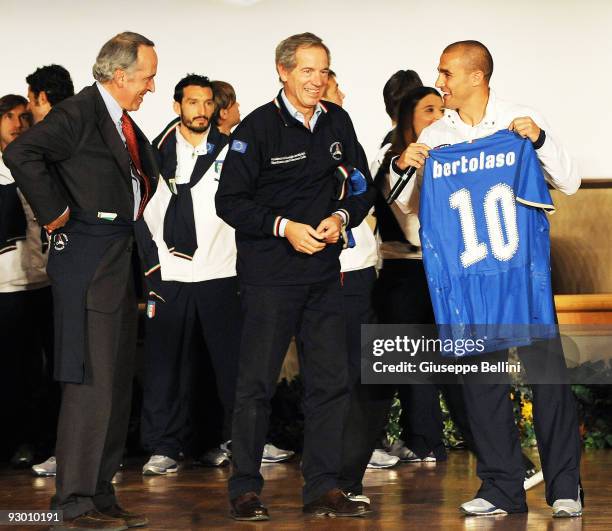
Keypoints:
pixel 227 107
pixel 197 289
pixel 47 86
pixel 25 300
pixel 332 91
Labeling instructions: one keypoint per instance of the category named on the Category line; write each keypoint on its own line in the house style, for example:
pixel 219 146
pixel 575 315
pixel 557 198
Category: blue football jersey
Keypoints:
pixel 485 235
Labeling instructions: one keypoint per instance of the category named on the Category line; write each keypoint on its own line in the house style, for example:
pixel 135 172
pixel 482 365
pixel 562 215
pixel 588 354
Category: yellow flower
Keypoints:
pixel 527 410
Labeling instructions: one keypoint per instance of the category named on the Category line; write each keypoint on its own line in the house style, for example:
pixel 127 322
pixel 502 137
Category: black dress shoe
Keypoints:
pixel 91 520
pixel 335 503
pixel 249 507
pixel 131 519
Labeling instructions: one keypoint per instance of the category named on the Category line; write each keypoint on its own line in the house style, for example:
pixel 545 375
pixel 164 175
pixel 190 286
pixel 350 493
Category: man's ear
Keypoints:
pixel 283 73
pixel 119 77
pixel 477 77
pixel 223 114
pixel 42 99
pixel 177 107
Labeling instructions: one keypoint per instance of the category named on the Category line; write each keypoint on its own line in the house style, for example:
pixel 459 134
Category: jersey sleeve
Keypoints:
pixel 530 185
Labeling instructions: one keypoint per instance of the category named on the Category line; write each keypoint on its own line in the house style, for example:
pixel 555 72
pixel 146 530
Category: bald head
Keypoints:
pixel 475 55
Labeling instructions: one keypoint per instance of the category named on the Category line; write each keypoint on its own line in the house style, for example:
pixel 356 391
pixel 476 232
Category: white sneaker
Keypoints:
pixel 567 508
pixel 480 507
pixel 406 455
pixel 272 454
pixel 159 465
pixel 533 479
pixel 357 497
pixel 48 468
pixel 381 459
pixel 227 447
pixel 215 457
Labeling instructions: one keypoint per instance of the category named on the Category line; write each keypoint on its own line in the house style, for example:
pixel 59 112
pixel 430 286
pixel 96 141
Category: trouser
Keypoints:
pixel 29 396
pixel 453 395
pixel 94 415
pixel 272 315
pixel 212 306
pixel 402 296
pixel 369 404
pixel 208 426
pixel 496 437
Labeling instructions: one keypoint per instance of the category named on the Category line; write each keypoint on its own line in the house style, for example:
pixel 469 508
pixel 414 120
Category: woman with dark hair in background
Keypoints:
pixel 402 294
pixel 419 108
pixel 394 91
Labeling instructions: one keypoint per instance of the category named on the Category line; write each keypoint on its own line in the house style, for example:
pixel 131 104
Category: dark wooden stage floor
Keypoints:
pixel 410 496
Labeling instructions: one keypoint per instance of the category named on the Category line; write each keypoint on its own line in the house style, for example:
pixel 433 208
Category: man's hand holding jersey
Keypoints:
pixel 526 127
pixel 414 155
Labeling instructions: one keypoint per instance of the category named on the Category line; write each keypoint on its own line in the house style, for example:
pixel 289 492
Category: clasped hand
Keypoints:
pixel 305 239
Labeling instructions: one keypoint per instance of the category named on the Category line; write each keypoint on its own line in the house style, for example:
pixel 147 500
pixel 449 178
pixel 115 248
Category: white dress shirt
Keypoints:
pixel 311 124
pixel 298 115
pixel 116 114
pixel 559 169
pixel 187 155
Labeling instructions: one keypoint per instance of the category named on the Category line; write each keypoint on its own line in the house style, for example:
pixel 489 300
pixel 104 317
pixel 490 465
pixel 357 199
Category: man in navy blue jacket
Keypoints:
pixel 279 190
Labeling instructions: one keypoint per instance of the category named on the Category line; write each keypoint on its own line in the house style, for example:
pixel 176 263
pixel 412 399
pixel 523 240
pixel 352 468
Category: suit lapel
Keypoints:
pixel 111 137
pixel 215 143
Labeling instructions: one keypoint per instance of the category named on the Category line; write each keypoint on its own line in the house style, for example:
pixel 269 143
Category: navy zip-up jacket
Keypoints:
pixel 277 168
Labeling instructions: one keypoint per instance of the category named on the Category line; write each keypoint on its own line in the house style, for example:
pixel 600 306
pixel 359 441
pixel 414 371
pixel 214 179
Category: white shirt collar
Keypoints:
pixel 200 149
pixel 298 115
pixel 114 109
pixel 489 119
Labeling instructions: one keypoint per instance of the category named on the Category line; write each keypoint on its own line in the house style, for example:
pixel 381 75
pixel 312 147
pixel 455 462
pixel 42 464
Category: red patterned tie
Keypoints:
pixel 132 145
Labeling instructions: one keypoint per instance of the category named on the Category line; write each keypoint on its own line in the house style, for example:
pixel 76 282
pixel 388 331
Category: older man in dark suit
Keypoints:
pixel 88 172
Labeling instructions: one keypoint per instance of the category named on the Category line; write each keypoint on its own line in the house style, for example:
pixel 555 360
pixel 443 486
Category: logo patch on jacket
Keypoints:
pixel 239 145
pixel 218 166
pixel 336 150
pixel 288 158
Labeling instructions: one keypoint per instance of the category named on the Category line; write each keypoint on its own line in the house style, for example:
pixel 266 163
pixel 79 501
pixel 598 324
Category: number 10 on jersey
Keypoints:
pixel 500 216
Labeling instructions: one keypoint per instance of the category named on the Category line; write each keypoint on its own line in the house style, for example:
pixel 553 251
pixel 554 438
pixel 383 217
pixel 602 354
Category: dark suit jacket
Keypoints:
pixel 75 157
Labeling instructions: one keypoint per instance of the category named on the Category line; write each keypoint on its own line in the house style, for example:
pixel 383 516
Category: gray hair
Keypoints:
pixel 285 51
pixel 119 53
